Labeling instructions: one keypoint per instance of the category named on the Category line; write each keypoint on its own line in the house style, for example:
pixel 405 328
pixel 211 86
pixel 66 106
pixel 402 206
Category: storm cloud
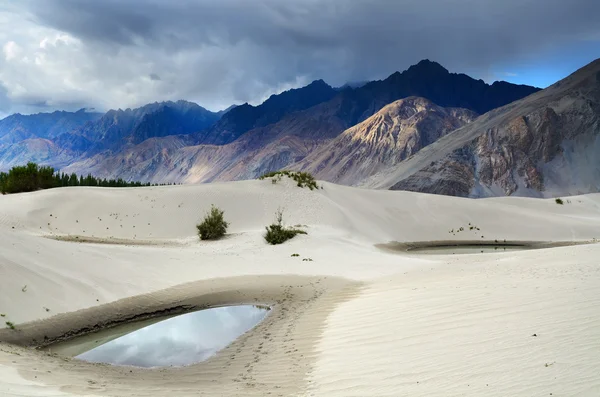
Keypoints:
pixel 110 53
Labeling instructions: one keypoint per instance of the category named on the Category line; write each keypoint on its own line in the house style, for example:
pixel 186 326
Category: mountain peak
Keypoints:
pixel 428 67
pixel 319 82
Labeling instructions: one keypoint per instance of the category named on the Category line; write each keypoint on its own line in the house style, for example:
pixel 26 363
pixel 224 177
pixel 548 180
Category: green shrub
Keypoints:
pixel 302 179
pixel 213 226
pixel 559 201
pixel 277 233
pixel 10 325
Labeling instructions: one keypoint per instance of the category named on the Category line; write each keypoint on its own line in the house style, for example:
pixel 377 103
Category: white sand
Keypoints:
pixel 355 321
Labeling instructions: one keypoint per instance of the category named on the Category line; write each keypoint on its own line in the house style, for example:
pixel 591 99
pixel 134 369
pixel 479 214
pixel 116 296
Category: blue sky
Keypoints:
pixel 544 69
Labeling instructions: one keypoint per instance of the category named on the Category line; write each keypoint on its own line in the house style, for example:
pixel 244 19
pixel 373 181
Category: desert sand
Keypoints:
pixel 357 320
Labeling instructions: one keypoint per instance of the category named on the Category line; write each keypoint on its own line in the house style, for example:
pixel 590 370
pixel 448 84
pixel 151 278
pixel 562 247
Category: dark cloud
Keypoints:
pixel 226 51
pixel 154 77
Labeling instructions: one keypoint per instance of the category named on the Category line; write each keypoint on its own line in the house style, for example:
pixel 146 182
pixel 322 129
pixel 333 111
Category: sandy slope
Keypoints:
pixel 355 321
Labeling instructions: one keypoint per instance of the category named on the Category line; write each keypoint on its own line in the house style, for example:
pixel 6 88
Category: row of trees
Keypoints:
pixel 33 177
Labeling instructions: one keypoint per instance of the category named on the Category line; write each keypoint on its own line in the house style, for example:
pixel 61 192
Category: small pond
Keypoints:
pixel 182 340
pixel 467 249
pixel 453 247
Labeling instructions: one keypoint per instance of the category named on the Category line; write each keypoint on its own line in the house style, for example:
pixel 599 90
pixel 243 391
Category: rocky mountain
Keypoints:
pixel 246 117
pixel 18 127
pixel 312 127
pixel 396 132
pixel 248 141
pixel 547 144
pixel 381 141
pixel 429 80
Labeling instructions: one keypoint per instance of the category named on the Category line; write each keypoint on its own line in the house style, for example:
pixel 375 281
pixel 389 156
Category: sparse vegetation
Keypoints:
pixel 10 325
pixel 213 226
pixel 277 233
pixel 307 260
pixel 302 179
pixel 2 315
pixel 295 255
pixel 24 289
pixel 462 229
pixel 559 201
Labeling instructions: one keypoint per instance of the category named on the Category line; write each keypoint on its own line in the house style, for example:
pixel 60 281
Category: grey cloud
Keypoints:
pixel 154 77
pixel 4 100
pixel 161 352
pixel 233 51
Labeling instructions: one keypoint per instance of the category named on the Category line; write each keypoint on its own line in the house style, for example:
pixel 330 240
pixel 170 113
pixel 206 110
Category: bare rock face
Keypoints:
pixel 396 132
pixel 544 145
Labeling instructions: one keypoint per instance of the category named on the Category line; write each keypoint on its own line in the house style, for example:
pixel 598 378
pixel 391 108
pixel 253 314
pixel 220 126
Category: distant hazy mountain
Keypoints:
pixel 39 150
pixel 547 144
pixel 119 128
pixel 18 127
pixel 62 138
pixel 396 132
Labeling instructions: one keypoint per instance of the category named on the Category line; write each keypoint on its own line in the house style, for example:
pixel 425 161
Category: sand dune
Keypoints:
pixel 357 320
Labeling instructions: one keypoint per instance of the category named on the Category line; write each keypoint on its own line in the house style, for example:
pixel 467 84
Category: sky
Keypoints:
pixel 71 54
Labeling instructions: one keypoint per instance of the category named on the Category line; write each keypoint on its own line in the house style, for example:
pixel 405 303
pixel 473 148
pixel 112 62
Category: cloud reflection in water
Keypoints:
pixel 181 340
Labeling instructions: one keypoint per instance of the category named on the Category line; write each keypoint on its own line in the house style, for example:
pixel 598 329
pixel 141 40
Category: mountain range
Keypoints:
pixel 545 145
pixel 417 130
pixel 250 140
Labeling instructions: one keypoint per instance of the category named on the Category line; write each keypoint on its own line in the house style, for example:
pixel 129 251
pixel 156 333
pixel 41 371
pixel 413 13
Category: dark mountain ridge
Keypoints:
pixel 429 80
pixel 246 117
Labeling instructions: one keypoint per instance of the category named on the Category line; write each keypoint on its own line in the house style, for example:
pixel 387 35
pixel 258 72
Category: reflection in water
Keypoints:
pixel 181 340
pixel 467 249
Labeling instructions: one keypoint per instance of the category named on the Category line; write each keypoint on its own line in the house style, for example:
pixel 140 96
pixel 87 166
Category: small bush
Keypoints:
pixel 302 179
pixel 213 226
pixel 278 234
pixel 10 325
pixel 559 201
